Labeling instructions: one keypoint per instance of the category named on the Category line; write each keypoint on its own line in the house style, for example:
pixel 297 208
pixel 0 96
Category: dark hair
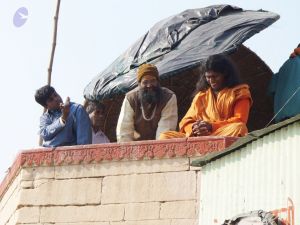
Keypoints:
pixel 42 94
pixel 221 64
pixel 92 106
pixel 298 45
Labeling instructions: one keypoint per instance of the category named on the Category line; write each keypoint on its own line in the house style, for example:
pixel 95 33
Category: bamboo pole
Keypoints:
pixel 53 43
pixel 52 53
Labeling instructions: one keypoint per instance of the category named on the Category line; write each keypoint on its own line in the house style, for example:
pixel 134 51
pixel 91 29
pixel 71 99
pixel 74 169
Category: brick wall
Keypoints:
pixel 138 183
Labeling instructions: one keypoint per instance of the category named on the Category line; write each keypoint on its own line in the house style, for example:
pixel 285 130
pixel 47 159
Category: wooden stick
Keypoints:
pixel 52 53
pixel 54 42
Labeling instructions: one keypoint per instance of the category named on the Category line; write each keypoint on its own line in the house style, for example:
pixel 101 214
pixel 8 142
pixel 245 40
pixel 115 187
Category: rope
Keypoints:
pixel 287 101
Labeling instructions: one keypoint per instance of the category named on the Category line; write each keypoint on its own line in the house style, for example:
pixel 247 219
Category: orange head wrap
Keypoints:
pixel 147 69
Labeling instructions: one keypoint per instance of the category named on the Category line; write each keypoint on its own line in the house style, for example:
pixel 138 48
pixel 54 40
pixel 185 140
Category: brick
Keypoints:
pixel 178 209
pixel 142 211
pixel 38 183
pixel 121 167
pixel 27 184
pixel 36 173
pixel 184 222
pixel 89 223
pixel 28 224
pixel 143 222
pixel 28 215
pixel 25 215
pixel 63 192
pixel 77 214
pixel 149 187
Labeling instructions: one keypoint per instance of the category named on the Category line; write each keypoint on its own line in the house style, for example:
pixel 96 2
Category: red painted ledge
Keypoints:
pixel 139 150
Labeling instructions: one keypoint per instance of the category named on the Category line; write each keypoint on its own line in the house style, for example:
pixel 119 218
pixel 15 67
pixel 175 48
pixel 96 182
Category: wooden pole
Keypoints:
pixel 52 53
pixel 53 43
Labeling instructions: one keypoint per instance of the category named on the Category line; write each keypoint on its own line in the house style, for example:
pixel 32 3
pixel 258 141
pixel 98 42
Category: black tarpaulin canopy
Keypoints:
pixel 179 43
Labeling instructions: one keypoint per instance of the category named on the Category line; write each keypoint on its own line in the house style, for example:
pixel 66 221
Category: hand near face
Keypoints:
pixel 65 108
pixel 201 128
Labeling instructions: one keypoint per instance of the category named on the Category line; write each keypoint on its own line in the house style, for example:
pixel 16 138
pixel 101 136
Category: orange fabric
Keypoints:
pixel 170 135
pixel 226 112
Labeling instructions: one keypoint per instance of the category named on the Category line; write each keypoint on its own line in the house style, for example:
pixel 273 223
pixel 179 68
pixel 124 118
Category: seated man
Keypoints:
pixel 221 105
pixel 284 87
pixel 147 110
pixel 97 116
pixel 62 124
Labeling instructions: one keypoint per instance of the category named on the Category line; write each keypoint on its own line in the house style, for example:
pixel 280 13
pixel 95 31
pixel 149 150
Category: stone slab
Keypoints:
pixel 78 214
pixel 149 187
pixel 63 192
pixel 142 211
pixel 178 210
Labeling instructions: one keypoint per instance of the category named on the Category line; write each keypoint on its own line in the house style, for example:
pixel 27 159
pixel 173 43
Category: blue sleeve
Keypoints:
pixel 48 129
pixel 83 127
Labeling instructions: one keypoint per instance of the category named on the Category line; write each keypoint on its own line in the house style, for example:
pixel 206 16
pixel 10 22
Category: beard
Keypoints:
pixel 149 95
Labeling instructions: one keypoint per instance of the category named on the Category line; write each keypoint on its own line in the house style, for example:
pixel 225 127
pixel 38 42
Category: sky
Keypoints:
pixel 91 35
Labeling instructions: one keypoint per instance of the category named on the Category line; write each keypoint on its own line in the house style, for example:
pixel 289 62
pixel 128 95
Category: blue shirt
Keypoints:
pixel 76 131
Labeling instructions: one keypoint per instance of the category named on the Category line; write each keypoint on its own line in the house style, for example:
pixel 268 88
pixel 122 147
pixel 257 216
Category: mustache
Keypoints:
pixel 150 96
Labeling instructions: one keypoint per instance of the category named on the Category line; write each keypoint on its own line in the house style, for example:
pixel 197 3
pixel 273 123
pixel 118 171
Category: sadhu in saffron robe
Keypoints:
pixel 226 111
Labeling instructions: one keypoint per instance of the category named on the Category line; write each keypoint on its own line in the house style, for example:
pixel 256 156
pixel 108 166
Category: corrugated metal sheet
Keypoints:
pixel 261 175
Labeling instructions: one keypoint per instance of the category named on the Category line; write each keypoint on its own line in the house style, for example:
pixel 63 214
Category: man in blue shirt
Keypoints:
pixel 62 124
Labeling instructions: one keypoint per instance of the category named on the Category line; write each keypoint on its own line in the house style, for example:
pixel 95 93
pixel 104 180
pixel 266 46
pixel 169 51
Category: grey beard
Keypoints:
pixel 149 96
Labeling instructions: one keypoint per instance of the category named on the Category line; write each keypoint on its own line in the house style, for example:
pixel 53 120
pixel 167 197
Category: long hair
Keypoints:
pixel 221 64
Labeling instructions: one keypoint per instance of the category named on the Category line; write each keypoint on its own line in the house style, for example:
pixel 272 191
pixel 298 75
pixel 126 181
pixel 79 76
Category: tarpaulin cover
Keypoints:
pixel 179 43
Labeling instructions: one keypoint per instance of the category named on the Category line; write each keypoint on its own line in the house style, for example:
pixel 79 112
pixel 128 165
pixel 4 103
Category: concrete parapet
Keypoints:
pixel 137 183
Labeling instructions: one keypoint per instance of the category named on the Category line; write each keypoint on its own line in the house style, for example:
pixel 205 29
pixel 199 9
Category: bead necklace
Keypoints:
pixel 152 115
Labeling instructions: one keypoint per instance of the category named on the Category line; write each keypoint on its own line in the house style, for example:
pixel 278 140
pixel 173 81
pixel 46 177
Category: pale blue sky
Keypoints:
pixel 92 33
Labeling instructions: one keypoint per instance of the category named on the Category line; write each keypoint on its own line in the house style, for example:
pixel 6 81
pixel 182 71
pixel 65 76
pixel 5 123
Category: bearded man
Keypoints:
pixel 148 109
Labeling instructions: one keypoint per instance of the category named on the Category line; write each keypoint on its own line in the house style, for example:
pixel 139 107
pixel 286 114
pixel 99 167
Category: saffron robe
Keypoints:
pixel 227 112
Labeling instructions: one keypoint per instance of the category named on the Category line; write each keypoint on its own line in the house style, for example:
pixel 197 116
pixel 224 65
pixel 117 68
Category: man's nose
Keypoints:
pixel 212 79
pixel 149 85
